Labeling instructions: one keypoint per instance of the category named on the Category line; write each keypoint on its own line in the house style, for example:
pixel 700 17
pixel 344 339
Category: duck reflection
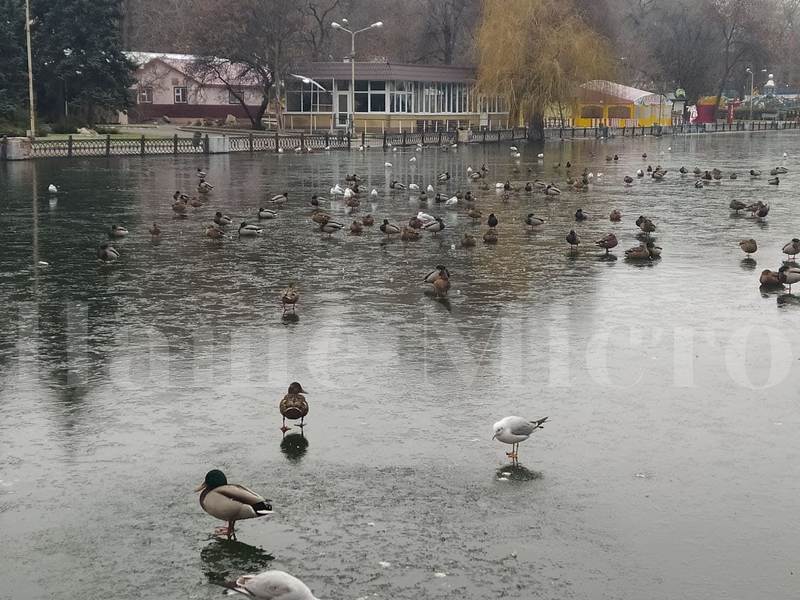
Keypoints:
pixel 517 473
pixel 227 559
pixel 291 317
pixel 294 446
pixel 748 264
pixel 788 300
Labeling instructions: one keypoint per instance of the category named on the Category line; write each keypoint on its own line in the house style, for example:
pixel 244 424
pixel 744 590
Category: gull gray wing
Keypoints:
pixel 519 426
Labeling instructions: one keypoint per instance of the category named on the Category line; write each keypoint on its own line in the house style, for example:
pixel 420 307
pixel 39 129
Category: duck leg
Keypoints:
pixel 231 532
pixel 284 428
pixel 301 422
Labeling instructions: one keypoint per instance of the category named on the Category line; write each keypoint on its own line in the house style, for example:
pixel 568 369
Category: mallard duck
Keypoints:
pixel 409 235
pixel 770 278
pixel 194 202
pixel 755 173
pixel 230 502
pixel 180 207
pixel 271 585
pixel 106 252
pixel 773 181
pixel 415 223
pixel 762 211
pixel 331 227
pixel 289 297
pixel 789 275
pixel 615 216
pixel 434 226
pixel 513 431
pixel 265 213
pixel 492 221
pixel 734 175
pixel 468 196
pixel 532 222
pixel 646 225
pixel 754 206
pixel 441 285
pixel 117 231
pixel 552 190
pixel 442 177
pixel 580 215
pixel 317 200
pixel 658 175
pixel 653 250
pixel 294 406
pixel 396 185
pixel 683 170
pixel 468 241
pixel 573 240
pixel 433 275
pixel 490 237
pixel 697 171
pixel 155 230
pixel 352 202
pixel 639 252
pixel 779 171
pixel 748 246
pixel 356 227
pixel 475 215
pixel 698 185
pixel 214 232
pixel 201 174
pixel 627 179
pixel 320 217
pixel 222 220
pixel 413 187
pixel 616 157
pixel 529 187
pixel 249 230
pixel 280 199
pixel 792 249
pixel 608 242
pixel 368 220
pixel 453 201
pixel 204 187
pixel 389 229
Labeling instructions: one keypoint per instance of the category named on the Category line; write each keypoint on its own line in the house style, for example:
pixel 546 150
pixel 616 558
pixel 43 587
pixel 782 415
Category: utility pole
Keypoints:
pixel 32 131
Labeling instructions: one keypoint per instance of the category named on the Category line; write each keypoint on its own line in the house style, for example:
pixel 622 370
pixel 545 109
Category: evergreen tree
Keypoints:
pixel 13 76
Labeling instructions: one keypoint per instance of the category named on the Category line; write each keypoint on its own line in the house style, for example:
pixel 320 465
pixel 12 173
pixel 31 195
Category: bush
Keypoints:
pixel 67 125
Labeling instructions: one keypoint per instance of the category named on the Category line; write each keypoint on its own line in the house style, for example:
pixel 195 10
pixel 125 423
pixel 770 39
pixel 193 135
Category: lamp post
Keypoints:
pixel 308 80
pixel 752 84
pixel 352 111
pixel 32 131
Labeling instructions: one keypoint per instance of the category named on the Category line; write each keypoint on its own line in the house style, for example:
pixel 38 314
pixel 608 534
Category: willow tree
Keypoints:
pixel 536 53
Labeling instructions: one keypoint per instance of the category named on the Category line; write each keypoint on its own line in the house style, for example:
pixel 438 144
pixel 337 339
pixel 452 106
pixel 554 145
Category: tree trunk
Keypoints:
pixel 536 127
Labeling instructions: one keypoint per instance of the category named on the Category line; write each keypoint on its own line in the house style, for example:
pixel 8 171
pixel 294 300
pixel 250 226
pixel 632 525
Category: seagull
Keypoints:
pixel 271 585
pixel 388 165
pixel 374 193
pixel 52 189
pixel 513 430
pixel 412 159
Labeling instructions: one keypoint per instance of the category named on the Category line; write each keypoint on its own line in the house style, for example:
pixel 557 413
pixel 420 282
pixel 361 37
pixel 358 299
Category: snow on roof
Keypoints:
pixel 609 91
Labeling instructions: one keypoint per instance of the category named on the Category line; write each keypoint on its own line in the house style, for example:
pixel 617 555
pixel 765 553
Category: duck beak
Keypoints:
pixel 302 391
pixel 200 487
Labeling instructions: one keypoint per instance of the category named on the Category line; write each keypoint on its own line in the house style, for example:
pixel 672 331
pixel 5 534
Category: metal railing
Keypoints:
pixel 71 147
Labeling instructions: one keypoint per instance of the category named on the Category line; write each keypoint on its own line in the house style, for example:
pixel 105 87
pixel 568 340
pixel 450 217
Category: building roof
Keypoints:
pixel 599 90
pixel 184 64
pixel 388 71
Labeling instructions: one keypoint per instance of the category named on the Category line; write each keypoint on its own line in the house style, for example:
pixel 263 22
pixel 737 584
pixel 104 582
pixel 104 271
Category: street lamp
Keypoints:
pixel 752 88
pixel 308 80
pixel 352 111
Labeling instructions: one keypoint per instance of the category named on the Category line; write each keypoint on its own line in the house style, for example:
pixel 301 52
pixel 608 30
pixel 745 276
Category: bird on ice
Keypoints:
pixel 271 585
pixel 513 430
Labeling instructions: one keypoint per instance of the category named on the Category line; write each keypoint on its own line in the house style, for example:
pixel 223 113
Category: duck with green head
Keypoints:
pixel 230 502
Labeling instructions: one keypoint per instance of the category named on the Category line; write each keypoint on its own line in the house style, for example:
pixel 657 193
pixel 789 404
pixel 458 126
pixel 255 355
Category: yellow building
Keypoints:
pixel 607 103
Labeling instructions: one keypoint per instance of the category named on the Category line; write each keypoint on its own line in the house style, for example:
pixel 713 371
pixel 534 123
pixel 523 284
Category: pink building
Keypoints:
pixel 167 85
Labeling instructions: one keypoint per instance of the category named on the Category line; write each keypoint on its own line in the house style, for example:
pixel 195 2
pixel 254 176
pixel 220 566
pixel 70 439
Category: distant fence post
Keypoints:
pixel 363 139
pixel 250 141
pixel 302 141
pixel 327 139
pixel 141 145
pixel 484 136
pixel 277 141
pixel 440 138
pixel 404 138
pixel 206 144
pixel 108 144
pixel 384 139
pixel 349 141
pixel 175 144
pixel 69 147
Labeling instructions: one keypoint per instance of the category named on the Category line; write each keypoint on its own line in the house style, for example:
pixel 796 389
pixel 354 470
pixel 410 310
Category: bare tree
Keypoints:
pixel 449 31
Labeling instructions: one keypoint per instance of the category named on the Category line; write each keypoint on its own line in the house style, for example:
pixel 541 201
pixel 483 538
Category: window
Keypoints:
pixel 181 95
pixel 306 97
pixel 232 99
pixel 591 112
pixel 146 95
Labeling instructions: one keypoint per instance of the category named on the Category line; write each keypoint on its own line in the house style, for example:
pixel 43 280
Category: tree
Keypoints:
pixel 448 28
pixel 253 40
pixel 78 58
pixel 13 74
pixel 536 53
pixel 317 27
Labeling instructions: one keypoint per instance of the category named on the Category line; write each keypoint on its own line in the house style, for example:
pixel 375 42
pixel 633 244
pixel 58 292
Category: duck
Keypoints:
pixel 352 178
pixel 389 229
pixel 221 219
pixel 773 181
pixel 699 185
pixel 409 235
pixel 616 157
pixel 792 249
pixel 214 232
pixel 434 226
pixel 468 196
pixel 475 215
pixel 195 202
pixel 331 227
pixel 573 240
pixel 734 175
pixel 653 250
pixel 789 275
pixel 615 216
pixel 155 230
pixel 442 177
pixel 107 253
pixel 248 230
pixel 646 225
pixel 640 252
pixel 492 221
pixel 204 187
pixel 770 278
pixel 755 173
pixel 396 185
pixel 490 237
pixel 293 405
pixel 433 275
pixel 658 175
pixel 425 217
pixel 748 246
pixel 117 231
pixel 352 202
pixel 627 179
pixel 608 242
pixel 639 173
pixel 737 205
pixel 529 187
pixel 753 207
pixel 289 297
pixel 201 174
pixel 441 283
pixel 356 227
pixel 468 241
pixel 779 171
pixel 264 586
pixel 280 198
pixel 413 187
pixel 320 217
pixel 532 222
pixel 265 213
pixel 552 190
pixel 368 220
pixel 451 202
pixel 580 215
pixel 373 193
pixel 430 189
pixel 415 223
pixel 762 211
pixel 230 502
pixel 180 207
pixel 683 170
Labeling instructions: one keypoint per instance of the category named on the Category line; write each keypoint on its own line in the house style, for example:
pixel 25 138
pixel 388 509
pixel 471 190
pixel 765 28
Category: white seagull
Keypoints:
pixel 271 585
pixel 513 430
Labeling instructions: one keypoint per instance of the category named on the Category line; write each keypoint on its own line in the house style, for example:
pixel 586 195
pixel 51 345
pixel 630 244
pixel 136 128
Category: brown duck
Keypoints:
pixel 294 405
